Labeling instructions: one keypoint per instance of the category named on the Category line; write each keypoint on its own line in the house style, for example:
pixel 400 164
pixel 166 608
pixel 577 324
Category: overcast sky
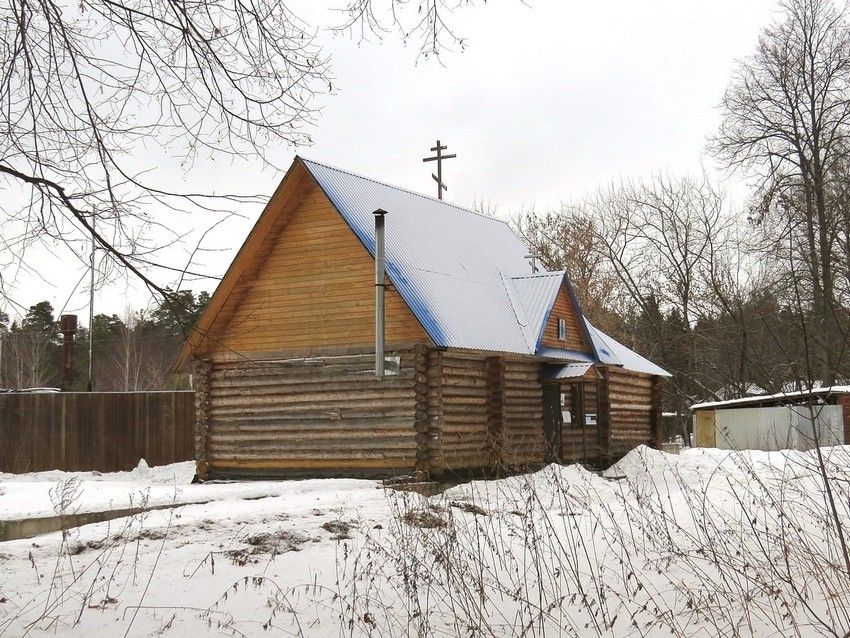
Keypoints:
pixel 548 102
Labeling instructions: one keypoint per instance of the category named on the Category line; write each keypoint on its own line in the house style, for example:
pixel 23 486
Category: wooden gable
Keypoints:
pixel 303 281
pixel 576 337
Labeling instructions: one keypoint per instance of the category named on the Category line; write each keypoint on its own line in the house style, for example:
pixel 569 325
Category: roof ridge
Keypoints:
pixel 404 190
pixel 553 273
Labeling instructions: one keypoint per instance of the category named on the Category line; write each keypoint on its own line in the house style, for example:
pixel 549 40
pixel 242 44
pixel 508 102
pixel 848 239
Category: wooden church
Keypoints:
pixel 488 364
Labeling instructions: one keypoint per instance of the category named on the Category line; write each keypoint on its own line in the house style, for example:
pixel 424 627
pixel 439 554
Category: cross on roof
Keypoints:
pixel 532 258
pixel 439 157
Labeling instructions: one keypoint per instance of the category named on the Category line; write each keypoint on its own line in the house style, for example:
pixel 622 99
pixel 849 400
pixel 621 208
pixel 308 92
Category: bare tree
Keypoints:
pixel 566 240
pixel 663 238
pixel 127 354
pixel 424 22
pixel 785 120
pixel 88 89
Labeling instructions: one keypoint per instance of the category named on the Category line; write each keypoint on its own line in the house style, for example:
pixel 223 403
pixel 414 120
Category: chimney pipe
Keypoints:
pixel 68 327
pixel 379 292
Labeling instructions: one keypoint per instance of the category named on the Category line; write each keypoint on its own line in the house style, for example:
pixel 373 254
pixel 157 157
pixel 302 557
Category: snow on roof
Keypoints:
pixel 779 396
pixel 613 352
pixel 463 274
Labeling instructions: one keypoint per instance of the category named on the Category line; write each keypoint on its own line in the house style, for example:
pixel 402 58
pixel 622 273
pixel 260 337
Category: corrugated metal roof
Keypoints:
pixel 613 352
pixel 564 355
pixel 567 371
pixel 781 398
pixel 463 274
pixel 535 294
pixel 440 258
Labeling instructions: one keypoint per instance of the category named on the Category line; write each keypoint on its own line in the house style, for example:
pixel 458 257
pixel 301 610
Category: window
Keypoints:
pixel 562 329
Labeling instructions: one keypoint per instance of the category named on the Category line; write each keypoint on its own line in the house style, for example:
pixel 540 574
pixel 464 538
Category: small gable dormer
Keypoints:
pixel 563 329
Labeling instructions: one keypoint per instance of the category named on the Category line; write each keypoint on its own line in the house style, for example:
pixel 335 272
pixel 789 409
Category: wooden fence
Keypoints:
pixel 104 431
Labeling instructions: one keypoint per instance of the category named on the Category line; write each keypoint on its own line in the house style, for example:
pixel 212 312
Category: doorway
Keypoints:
pixel 552 422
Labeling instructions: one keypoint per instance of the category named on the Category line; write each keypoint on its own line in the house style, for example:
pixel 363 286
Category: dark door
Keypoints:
pixel 552 421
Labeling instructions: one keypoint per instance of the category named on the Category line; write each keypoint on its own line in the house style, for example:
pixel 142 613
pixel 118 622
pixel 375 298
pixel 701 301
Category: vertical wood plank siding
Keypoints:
pixel 524 443
pixel 631 400
pixel 581 442
pixel 313 289
pixel 307 416
pixel 103 431
pixel 563 309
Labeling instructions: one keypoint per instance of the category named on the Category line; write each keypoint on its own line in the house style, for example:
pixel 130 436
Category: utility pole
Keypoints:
pixel 439 157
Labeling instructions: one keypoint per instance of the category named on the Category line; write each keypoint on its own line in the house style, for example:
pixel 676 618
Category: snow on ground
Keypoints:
pixel 30 495
pixel 705 543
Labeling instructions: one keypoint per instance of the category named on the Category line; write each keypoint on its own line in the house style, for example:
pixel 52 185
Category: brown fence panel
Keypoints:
pixel 104 431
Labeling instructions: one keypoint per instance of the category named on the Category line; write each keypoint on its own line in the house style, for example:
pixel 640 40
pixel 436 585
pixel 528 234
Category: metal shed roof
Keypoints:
pixel 566 371
pixel 464 275
pixel 781 398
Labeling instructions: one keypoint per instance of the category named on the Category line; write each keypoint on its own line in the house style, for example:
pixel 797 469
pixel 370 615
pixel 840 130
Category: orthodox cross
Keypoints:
pixel 439 159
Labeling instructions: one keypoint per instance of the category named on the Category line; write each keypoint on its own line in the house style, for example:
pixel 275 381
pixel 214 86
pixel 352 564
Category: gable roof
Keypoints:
pixel 463 275
pixel 446 262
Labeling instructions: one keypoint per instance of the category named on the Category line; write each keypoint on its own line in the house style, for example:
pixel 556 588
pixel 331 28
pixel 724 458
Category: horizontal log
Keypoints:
pixel 530 395
pixel 314 390
pixel 520 421
pixel 312 414
pixel 257 378
pixel 386 395
pixel 339 461
pixel 257 445
pixel 308 427
pixel 465 405
pixel 288 367
pixel 627 404
pixel 629 386
pixel 310 409
pixel 456 430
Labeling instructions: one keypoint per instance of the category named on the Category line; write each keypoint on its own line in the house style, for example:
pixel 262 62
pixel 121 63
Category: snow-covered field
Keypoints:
pixel 705 543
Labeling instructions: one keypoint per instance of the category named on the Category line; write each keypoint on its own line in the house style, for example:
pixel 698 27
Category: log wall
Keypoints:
pixel 446 412
pixel 465 436
pixel 319 416
pixel 632 406
pixel 524 444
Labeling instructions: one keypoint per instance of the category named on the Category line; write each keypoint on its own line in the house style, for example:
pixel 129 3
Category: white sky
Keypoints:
pixel 547 103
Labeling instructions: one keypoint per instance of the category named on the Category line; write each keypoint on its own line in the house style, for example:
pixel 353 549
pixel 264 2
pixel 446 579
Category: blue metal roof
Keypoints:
pixel 464 275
